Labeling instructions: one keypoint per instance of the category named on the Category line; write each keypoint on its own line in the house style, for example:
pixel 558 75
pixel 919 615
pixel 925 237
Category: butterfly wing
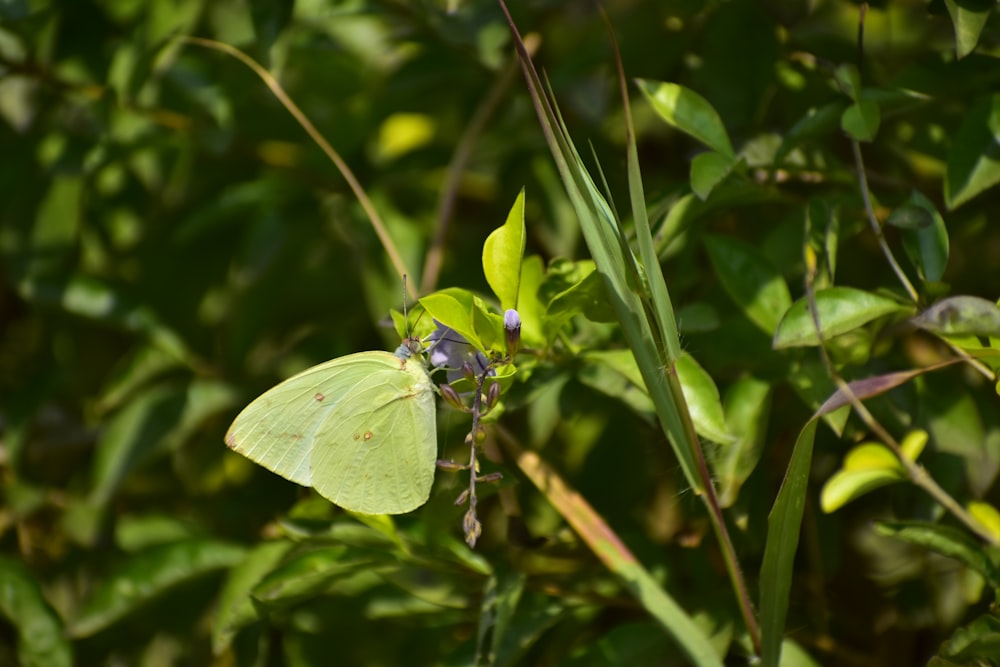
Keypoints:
pixel 278 430
pixel 376 451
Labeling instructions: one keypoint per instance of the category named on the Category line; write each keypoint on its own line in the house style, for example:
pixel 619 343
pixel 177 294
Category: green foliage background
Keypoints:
pixel 172 245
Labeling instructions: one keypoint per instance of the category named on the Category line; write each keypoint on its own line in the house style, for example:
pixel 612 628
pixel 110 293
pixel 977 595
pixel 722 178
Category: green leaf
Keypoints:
pixel 866 467
pixel 783 526
pixel 309 574
pixel 500 599
pixel 749 280
pixel 975 643
pixel 961 316
pixel 849 80
pixel 453 307
pixel 41 640
pixel 987 515
pixel 589 298
pixel 974 158
pixel 236 607
pixel 529 306
pixel 689 112
pixel 861 120
pixel 968 17
pixel 707 170
pixel 841 309
pixel 702 397
pixel 502 255
pixel 910 216
pixel 747 405
pixel 145 576
pixel 57 224
pixel 947 541
pixel 926 243
pixel 615 373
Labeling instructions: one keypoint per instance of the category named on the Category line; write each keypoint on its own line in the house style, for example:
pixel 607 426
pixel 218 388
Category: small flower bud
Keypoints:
pixel 468 371
pixel 492 395
pixel 472 528
pixel 449 394
pixel 512 325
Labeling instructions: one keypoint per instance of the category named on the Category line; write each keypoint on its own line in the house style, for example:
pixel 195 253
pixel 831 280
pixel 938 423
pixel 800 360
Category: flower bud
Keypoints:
pixel 468 371
pixel 512 325
pixel 492 395
pixel 449 394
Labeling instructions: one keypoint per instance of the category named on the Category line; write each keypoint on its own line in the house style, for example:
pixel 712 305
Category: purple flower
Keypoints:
pixel 512 325
pixel 449 350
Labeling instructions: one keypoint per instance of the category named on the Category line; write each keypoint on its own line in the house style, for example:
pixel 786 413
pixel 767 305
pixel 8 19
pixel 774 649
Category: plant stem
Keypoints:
pixel 333 155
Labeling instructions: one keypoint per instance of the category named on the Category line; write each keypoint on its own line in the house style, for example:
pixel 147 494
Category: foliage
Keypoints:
pixel 733 422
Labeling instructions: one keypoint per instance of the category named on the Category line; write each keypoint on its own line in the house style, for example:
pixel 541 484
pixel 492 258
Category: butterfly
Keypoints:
pixel 360 429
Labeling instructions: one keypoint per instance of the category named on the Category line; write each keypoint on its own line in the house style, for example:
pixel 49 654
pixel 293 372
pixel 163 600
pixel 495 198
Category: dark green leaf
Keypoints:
pixel 975 643
pixel 974 158
pixel 749 280
pixel 927 244
pixel 910 216
pixel 783 525
pixel 236 607
pixel 41 639
pixel 817 122
pixel 947 541
pixel 310 573
pixel 143 577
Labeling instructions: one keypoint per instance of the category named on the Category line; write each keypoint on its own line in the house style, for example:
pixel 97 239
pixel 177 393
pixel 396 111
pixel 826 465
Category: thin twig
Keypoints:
pixel 873 221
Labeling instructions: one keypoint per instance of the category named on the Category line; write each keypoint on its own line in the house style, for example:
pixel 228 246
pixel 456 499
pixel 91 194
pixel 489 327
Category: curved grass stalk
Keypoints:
pixel 300 117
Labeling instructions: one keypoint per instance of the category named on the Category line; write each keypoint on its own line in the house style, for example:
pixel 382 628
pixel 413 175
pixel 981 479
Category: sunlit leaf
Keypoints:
pixel 502 255
pixel 747 405
pixel 841 309
pixel 968 17
pixel 707 170
pixel 689 112
pixel 703 400
pixel 987 515
pixel 861 120
pixel 866 467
